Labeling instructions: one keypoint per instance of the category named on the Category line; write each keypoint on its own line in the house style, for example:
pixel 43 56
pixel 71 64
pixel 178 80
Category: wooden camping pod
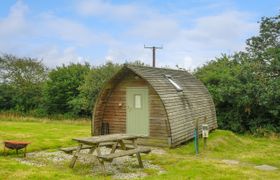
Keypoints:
pixel 176 99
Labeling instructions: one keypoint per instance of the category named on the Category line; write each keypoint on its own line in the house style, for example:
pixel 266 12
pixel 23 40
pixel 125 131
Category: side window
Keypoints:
pixel 137 101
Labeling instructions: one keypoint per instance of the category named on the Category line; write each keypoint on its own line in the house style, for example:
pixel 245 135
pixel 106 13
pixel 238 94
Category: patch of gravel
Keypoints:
pixel 263 167
pixel 266 167
pixel 129 175
pixel 42 158
pixel 230 161
pixel 126 167
pixel 57 156
pixel 158 151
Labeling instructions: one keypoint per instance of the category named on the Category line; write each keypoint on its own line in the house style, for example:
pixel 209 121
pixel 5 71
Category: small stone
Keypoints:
pixel 158 151
pixel 230 162
pixel 266 167
pixel 129 175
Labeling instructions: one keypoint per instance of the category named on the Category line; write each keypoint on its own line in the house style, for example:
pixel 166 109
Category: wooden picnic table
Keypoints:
pixel 117 140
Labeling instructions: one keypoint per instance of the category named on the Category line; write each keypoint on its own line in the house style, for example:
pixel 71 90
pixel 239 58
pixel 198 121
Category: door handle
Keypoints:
pixel 128 108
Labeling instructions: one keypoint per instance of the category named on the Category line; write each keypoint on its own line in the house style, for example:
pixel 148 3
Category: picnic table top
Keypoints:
pixel 106 138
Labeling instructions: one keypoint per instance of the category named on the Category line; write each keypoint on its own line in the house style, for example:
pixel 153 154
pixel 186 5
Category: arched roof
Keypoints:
pixel 183 106
pixel 184 98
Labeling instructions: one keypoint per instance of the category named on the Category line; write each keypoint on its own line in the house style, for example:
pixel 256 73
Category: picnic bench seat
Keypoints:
pixel 109 157
pixel 137 151
pixel 69 150
pixel 87 156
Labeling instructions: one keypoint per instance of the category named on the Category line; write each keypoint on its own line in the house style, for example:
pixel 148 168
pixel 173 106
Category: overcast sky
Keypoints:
pixel 191 32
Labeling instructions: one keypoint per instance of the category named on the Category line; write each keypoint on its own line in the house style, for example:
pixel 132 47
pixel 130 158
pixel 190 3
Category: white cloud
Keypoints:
pixel 123 53
pixel 45 36
pixel 68 30
pixel 188 41
pixel 106 9
pixel 54 56
pixel 15 22
pixel 222 28
pixel 159 28
pixel 202 39
pixel 189 47
pixel 188 62
pixel 207 38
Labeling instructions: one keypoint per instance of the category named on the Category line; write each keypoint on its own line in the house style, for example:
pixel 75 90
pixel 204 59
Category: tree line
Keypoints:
pixel 29 87
pixel 244 85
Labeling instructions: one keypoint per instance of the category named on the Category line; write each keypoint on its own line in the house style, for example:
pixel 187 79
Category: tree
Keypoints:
pixel 264 52
pixel 93 84
pixel 245 86
pixel 265 47
pixel 7 94
pixel 21 82
pixel 220 77
pixel 62 87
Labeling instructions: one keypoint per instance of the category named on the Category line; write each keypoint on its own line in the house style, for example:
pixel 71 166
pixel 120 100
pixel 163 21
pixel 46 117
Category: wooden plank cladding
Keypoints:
pixel 115 108
pixel 172 113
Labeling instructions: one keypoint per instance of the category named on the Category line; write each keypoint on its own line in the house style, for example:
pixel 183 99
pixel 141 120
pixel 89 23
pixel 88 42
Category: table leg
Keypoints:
pixel 114 147
pixel 100 160
pixel 102 166
pixel 122 145
pixel 98 150
pixel 24 153
pixel 75 156
pixel 134 143
pixel 139 160
pixel 92 150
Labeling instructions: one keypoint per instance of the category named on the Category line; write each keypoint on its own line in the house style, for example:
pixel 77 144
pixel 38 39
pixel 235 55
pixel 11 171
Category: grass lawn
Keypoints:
pixel 178 163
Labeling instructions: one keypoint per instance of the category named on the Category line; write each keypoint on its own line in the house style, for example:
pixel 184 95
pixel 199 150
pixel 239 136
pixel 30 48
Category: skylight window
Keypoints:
pixel 177 86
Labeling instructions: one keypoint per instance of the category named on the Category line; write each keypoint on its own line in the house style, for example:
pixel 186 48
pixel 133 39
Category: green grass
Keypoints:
pixel 178 163
pixel 43 135
pixel 248 150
